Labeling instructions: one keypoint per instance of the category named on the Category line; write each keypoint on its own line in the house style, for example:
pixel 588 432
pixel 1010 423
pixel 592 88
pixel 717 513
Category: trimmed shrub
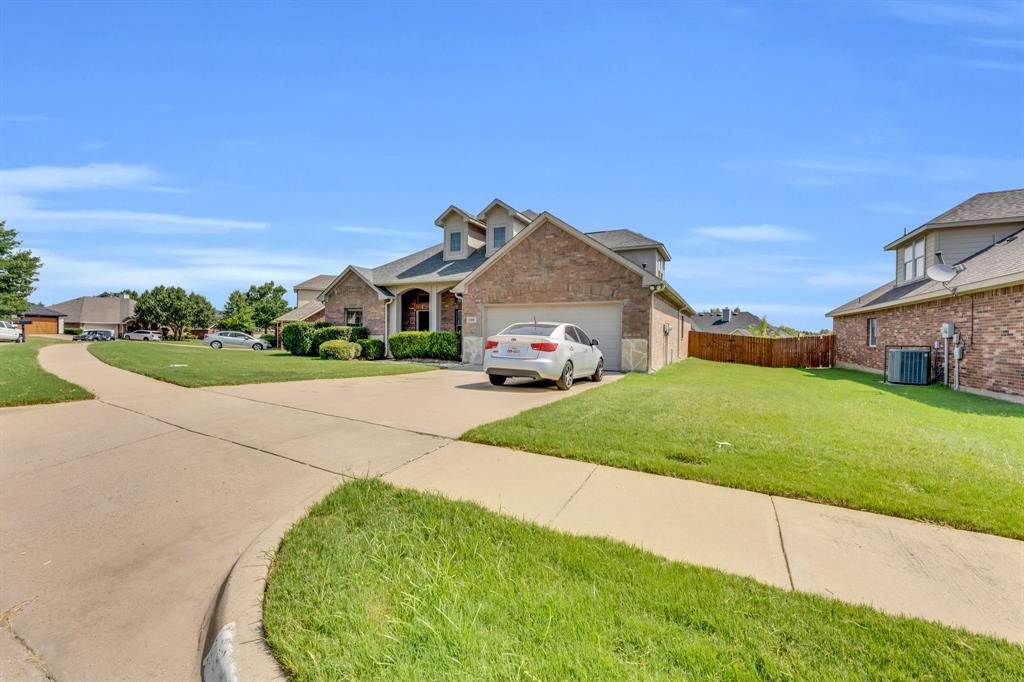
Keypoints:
pixel 436 345
pixel 340 350
pixel 74 331
pixel 444 346
pixel 321 324
pixel 297 338
pixel 373 349
pixel 335 333
pixel 269 339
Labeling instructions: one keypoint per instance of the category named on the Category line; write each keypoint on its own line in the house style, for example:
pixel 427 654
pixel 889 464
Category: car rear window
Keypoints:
pixel 530 329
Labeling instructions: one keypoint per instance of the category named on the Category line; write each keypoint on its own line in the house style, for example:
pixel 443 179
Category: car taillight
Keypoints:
pixel 490 344
pixel 545 346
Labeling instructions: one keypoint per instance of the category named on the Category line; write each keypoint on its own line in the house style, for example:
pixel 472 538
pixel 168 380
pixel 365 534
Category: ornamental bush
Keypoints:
pixel 373 349
pixel 340 350
pixel 74 331
pixel 336 333
pixel 297 338
pixel 436 345
pixel 269 339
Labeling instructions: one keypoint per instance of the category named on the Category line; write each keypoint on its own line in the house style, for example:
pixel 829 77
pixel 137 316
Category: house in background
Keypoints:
pixel 111 313
pixel 503 265
pixel 736 323
pixel 44 320
pixel 984 238
pixel 308 307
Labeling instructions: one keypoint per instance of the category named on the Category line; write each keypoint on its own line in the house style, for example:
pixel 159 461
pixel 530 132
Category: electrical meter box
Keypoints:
pixel 947 330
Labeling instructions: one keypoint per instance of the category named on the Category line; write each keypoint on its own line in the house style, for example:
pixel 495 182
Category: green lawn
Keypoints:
pixel 832 435
pixel 24 382
pixel 382 584
pixel 198 365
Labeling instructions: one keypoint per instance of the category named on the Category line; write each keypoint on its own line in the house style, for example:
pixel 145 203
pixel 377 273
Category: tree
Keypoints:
pixel 203 312
pixel 19 271
pixel 130 293
pixel 238 314
pixel 167 306
pixel 267 301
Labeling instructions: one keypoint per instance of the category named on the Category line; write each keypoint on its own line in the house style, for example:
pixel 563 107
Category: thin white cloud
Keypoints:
pixel 831 169
pixel 21 118
pixel 998 14
pixel 842 278
pixel 378 231
pixel 999 43
pixel 38 179
pixel 93 145
pixel 751 233
pixel 990 65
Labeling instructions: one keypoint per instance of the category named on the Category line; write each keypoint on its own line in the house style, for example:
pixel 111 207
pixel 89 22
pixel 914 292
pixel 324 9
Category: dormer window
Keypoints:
pixel 499 236
pixel 913 261
pixel 455 242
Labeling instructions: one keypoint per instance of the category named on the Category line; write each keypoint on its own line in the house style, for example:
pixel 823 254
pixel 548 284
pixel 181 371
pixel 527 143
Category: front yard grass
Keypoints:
pixel 382 584
pixel 835 436
pixel 202 366
pixel 24 382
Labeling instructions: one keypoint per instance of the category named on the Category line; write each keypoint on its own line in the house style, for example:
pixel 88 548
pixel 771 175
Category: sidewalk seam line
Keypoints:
pixel 782 543
pixel 446 443
pixel 574 493
pixel 37 661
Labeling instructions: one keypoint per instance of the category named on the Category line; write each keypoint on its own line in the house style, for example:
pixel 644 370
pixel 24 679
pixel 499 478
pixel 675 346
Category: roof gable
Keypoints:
pixel 318 283
pixel 472 220
pixel 361 273
pixel 981 209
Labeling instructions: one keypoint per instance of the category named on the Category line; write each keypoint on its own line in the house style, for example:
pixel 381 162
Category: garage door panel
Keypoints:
pixel 602 321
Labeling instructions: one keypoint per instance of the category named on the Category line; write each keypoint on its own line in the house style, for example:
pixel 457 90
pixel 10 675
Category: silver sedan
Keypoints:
pixel 543 350
pixel 234 340
pixel 143 335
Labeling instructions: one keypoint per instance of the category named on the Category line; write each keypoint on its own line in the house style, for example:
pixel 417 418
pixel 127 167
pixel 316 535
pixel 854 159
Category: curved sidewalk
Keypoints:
pixel 128 511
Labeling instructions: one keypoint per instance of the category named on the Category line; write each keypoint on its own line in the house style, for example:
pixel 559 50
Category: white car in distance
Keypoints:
pixel 143 335
pixel 557 351
pixel 9 331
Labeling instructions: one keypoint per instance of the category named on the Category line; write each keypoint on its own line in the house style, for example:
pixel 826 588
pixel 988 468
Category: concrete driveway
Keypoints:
pixel 122 515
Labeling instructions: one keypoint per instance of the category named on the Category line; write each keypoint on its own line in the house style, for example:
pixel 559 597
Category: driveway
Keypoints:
pixel 122 515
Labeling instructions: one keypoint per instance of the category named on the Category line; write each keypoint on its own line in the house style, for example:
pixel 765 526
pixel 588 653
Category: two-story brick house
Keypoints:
pixel 983 238
pixel 503 265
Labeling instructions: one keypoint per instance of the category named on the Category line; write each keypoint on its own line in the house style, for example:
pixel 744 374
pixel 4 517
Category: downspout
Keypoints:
pixel 387 320
pixel 655 288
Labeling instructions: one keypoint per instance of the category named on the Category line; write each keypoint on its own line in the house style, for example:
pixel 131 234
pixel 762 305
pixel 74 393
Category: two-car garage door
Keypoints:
pixel 603 321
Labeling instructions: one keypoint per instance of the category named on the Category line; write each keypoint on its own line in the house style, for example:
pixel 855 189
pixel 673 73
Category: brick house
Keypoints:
pixel 502 265
pixel 43 320
pixel 983 238
pixel 308 307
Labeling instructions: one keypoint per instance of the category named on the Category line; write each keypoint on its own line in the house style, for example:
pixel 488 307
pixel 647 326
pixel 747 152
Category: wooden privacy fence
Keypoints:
pixel 804 351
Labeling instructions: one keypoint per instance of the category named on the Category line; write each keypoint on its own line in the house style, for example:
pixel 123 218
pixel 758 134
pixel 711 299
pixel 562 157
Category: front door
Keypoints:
pixel 422 320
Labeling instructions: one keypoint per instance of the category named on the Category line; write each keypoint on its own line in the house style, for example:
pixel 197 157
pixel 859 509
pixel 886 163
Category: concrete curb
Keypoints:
pixel 231 641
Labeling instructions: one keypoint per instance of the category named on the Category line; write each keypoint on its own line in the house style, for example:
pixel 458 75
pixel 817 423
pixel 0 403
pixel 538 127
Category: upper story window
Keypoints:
pixel 499 236
pixel 913 261
pixel 455 242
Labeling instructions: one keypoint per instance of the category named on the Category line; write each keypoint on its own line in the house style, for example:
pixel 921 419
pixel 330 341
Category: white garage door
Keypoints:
pixel 603 321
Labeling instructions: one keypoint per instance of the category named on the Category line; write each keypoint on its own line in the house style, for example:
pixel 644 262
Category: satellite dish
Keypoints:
pixel 940 272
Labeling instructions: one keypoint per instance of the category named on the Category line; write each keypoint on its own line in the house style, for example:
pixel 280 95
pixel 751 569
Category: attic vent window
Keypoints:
pixel 499 236
pixel 455 241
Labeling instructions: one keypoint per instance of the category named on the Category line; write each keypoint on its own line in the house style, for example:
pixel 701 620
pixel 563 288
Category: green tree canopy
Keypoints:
pixel 172 307
pixel 19 270
pixel 267 301
pixel 203 312
pixel 238 314
pixel 131 293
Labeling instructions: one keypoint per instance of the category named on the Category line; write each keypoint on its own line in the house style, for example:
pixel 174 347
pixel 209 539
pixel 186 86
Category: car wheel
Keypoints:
pixel 564 382
pixel 145 338
pixel 599 372
pixel 497 379
pixel 216 344
pixel 257 346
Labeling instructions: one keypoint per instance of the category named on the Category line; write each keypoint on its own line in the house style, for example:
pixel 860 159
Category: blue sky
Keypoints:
pixel 774 148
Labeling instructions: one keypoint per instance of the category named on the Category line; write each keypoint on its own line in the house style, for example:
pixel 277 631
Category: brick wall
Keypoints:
pixel 449 304
pixel 990 323
pixel 353 292
pixel 551 266
pixel 664 312
pixel 411 306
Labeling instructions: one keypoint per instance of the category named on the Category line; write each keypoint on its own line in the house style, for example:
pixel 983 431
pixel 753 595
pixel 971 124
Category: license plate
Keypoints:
pixel 511 349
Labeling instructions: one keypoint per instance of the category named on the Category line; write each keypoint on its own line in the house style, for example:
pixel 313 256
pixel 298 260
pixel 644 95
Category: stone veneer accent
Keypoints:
pixel 990 323
pixel 353 292
pixel 473 350
pixel 552 266
pixel 634 355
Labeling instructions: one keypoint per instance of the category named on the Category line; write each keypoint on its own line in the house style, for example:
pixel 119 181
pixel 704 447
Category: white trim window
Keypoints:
pixel 499 235
pixel 455 242
pixel 354 317
pixel 913 260
pixel 872 332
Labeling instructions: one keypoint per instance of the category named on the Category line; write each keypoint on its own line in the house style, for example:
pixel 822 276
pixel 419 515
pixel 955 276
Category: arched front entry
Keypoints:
pixel 414 312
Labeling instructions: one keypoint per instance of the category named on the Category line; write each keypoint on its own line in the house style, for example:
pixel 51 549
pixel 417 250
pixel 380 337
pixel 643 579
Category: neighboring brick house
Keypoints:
pixel 111 313
pixel 502 266
pixel 983 238
pixel 308 307
pixel 43 320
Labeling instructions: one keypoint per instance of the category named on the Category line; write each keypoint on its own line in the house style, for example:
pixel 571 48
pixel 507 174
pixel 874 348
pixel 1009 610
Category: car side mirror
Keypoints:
pixel 593 342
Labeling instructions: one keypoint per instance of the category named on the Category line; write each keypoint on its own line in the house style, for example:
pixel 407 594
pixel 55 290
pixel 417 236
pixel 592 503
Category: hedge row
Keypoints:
pixel 304 338
pixel 434 345
pixel 338 349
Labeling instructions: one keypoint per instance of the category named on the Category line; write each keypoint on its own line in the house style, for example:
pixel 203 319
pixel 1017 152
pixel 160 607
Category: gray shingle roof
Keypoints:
pixel 426 265
pixel 985 206
pixel 623 239
pixel 41 311
pixel 739 323
pixel 96 309
pixel 1005 258
pixel 318 283
pixel 302 313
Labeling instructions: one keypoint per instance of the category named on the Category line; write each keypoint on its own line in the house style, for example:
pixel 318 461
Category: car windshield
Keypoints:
pixel 531 329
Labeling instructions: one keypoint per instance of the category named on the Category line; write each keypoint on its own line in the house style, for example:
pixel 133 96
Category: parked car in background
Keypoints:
pixel 9 331
pixel 143 335
pixel 96 335
pixel 543 350
pixel 234 340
